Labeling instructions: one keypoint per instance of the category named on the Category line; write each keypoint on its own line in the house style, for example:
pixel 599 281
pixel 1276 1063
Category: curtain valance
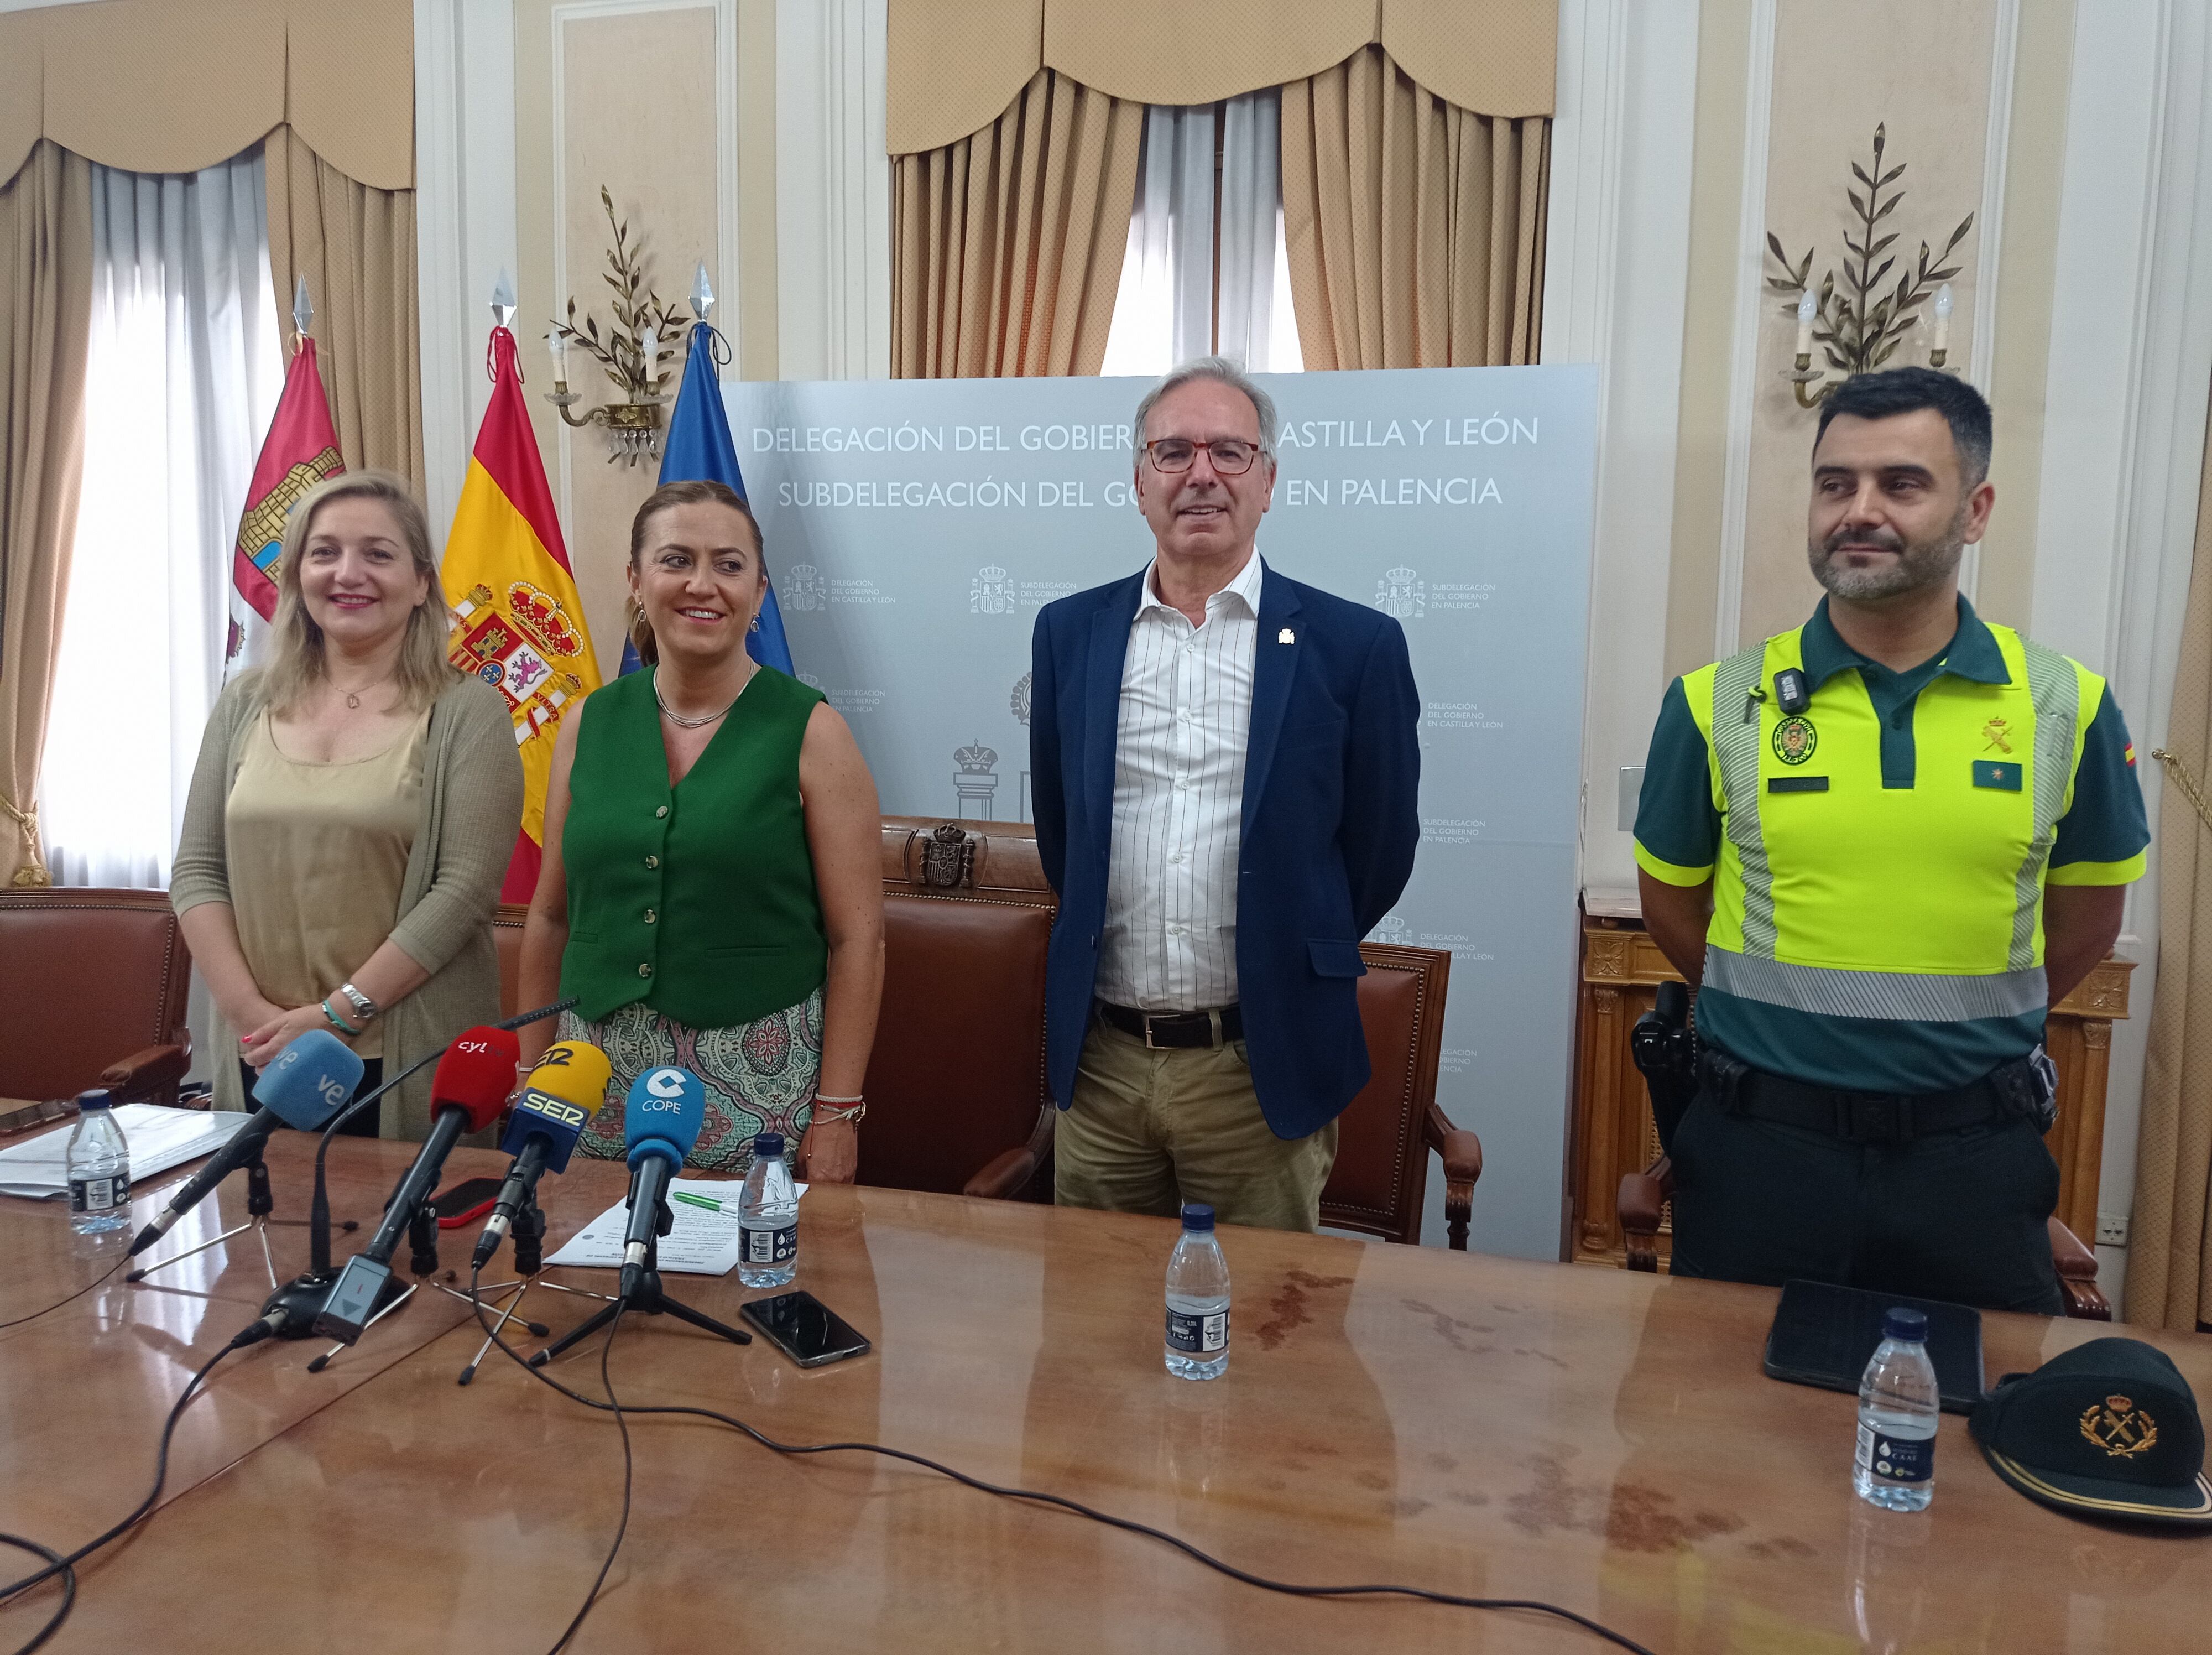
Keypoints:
pixel 155 87
pixel 954 65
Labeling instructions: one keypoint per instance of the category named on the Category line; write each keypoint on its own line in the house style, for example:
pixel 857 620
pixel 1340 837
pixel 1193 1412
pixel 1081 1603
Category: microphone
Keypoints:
pixel 661 1119
pixel 304 1086
pixel 563 1093
pixel 466 1093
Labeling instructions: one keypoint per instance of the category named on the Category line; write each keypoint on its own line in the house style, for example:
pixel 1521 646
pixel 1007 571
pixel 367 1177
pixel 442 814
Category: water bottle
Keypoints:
pixel 768 1213
pixel 98 1168
pixel 1198 1299
pixel 1898 1403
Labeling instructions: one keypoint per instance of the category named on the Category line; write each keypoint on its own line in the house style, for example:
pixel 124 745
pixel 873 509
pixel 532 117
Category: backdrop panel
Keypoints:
pixel 915 527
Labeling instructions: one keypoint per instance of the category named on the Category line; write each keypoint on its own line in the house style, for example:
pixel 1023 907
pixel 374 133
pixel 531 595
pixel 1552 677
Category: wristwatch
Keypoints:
pixel 363 1006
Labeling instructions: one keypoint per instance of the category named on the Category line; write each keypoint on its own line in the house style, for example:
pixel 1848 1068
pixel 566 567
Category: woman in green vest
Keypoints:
pixel 710 892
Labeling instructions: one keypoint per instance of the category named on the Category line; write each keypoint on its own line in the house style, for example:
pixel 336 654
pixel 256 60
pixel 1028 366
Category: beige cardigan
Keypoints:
pixel 471 808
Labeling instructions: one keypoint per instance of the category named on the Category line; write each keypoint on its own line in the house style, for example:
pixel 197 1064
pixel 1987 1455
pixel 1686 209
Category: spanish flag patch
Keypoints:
pixel 2129 756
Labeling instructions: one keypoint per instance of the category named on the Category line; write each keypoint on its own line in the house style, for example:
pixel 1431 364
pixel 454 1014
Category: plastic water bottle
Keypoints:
pixel 98 1168
pixel 1198 1299
pixel 768 1213
pixel 1898 1403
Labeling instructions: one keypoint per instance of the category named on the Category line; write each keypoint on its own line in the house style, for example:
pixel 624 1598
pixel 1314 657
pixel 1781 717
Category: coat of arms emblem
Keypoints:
pixel 803 587
pixel 2119 1428
pixel 1402 594
pixel 520 652
pixel 990 593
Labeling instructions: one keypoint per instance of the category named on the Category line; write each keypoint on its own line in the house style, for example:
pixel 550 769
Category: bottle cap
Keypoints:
pixel 769 1143
pixel 1197 1216
pixel 1899 1323
pixel 98 1098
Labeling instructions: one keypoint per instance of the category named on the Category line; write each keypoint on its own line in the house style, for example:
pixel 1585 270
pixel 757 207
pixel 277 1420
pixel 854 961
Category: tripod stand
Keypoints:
pixel 650 1299
pixel 529 1236
pixel 260 1201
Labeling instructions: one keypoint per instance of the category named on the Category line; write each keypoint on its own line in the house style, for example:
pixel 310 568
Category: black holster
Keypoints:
pixel 1664 1048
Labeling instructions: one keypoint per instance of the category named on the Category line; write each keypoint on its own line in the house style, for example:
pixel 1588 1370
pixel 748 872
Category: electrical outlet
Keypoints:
pixel 2111 1230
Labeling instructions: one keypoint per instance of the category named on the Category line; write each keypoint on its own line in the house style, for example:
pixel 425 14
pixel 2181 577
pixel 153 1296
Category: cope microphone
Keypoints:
pixel 466 1093
pixel 563 1094
pixel 304 1086
pixel 661 1119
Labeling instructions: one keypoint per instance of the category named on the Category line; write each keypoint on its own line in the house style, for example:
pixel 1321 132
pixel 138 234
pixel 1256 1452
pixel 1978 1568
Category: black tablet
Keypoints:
pixel 1824 1336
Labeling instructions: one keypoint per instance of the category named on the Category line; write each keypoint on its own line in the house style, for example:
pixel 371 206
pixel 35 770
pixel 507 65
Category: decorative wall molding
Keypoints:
pixel 1743 350
pixel 1988 235
pixel 833 199
pixel 465 224
pixel 1616 277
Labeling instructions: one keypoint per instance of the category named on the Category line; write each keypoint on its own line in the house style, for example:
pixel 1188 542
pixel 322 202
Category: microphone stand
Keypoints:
pixel 260 1201
pixel 528 1234
pixel 648 1299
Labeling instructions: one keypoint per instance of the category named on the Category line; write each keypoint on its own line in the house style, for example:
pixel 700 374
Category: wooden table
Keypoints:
pixel 1480 1425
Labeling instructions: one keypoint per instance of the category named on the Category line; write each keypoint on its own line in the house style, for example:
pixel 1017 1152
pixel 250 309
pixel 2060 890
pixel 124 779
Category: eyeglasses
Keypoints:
pixel 1231 456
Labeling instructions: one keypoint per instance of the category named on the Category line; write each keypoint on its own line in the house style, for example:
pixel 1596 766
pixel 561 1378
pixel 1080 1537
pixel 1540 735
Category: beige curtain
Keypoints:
pixel 356 245
pixel 1007 244
pixel 2170 1241
pixel 1414 228
pixel 45 322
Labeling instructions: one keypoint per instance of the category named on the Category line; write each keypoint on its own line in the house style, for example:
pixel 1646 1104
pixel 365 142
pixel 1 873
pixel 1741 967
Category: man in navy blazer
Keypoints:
pixel 1225 765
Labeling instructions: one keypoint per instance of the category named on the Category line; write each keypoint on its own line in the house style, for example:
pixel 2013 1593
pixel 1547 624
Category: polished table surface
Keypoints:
pixel 1479 1426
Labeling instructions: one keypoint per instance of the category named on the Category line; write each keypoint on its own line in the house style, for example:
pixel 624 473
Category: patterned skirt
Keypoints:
pixel 760 1076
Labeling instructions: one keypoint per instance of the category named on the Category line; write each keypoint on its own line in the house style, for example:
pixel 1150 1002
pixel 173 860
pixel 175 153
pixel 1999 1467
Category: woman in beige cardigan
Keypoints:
pixel 352 813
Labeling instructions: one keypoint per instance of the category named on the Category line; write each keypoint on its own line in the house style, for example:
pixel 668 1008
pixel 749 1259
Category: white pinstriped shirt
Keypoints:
pixel 1169 942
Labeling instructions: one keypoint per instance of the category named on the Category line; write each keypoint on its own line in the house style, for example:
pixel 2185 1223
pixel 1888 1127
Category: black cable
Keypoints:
pixel 78 1294
pixel 69 1588
pixel 623 1527
pixel 161 1477
pixel 1128 1524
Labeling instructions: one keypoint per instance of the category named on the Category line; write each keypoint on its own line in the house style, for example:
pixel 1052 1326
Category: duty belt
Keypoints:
pixel 1175 1029
pixel 1869 1117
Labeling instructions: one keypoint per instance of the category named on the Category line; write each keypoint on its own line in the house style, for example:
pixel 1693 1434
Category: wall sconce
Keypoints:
pixel 1857 326
pixel 630 354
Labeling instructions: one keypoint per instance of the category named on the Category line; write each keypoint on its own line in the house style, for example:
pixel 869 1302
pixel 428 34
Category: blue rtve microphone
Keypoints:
pixel 304 1086
pixel 661 1119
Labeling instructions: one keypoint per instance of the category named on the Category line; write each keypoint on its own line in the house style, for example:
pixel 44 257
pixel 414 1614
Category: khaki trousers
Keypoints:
pixel 1149 1129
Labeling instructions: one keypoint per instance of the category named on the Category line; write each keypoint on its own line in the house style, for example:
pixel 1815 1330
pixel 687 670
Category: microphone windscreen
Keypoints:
pixel 476 1074
pixel 663 1114
pixel 558 1101
pixel 310 1081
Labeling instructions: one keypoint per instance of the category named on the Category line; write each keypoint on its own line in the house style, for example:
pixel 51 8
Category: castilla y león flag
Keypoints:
pixel 518 624
pixel 301 450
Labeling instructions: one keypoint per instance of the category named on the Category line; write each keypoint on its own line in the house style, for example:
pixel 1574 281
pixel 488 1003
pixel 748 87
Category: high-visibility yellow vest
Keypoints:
pixel 1837 895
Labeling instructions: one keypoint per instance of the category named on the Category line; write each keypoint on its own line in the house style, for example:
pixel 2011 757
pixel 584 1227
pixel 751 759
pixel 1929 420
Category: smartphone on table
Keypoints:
pixel 804 1329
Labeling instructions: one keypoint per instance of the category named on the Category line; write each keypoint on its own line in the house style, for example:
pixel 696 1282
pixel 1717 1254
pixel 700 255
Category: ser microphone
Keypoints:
pixel 563 1094
pixel 304 1086
pixel 661 1119
pixel 466 1094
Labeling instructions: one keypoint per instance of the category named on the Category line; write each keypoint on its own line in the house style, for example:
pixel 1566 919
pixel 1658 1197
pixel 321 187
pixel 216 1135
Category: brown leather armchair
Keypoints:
pixel 86 975
pixel 1643 1195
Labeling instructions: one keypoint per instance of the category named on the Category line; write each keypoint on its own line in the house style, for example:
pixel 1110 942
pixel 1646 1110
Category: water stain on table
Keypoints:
pixel 1629 1516
pixel 1289 1307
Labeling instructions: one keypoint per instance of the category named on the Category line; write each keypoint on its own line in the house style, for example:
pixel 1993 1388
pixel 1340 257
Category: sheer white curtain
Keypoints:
pixel 183 372
pixel 1169 308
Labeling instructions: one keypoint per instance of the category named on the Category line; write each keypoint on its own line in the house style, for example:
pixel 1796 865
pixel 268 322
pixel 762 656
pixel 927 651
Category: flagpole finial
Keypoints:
pixel 303 309
pixel 702 293
pixel 502 300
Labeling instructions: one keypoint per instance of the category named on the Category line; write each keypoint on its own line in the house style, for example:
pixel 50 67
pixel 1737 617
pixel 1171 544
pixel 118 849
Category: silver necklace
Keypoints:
pixel 675 717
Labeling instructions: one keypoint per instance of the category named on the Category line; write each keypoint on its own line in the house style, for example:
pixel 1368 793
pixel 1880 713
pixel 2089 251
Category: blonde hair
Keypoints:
pixel 690 491
pixel 296 657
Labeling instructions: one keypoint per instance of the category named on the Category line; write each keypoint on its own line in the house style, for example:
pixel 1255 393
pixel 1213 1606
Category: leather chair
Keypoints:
pixel 86 976
pixel 1643 1195
pixel 507 934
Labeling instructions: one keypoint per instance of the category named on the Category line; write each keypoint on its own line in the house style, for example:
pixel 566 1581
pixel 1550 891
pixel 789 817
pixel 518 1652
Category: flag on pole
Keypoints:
pixel 518 624
pixel 301 450
pixel 699 446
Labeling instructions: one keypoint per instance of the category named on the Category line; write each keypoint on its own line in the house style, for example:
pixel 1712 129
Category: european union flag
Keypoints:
pixel 699 446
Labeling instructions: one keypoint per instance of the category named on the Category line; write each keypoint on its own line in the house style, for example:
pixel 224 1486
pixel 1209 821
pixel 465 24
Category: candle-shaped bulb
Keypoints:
pixel 1808 308
pixel 648 348
pixel 558 346
pixel 1943 302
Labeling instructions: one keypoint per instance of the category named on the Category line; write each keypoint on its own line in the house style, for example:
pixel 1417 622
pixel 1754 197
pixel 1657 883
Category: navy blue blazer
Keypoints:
pixel 1331 816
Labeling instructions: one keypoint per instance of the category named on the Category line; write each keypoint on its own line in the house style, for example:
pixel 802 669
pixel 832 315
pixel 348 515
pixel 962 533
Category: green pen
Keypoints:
pixel 690 1200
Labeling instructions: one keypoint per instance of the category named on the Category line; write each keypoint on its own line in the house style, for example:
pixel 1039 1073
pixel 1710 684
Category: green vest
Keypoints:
pixel 698 899
pixel 1841 896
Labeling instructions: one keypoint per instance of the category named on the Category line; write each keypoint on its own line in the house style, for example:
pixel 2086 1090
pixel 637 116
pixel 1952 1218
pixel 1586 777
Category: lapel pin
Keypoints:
pixel 1286 637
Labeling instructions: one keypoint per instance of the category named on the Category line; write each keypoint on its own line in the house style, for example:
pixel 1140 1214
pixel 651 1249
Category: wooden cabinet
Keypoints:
pixel 1621 970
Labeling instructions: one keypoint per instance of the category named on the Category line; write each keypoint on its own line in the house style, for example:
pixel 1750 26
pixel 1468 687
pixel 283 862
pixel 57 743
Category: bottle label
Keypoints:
pixel 771 1247
pixel 1898 1459
pixel 100 1195
pixel 1194 1334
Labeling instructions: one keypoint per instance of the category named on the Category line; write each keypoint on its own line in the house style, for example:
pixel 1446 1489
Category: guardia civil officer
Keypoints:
pixel 1885 843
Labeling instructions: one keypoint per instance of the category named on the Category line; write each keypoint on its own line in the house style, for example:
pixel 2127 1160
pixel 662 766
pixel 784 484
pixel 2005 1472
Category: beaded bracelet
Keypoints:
pixel 826 1112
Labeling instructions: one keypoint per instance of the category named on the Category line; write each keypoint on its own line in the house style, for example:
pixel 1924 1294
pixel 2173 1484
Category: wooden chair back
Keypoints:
pixel 87 977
